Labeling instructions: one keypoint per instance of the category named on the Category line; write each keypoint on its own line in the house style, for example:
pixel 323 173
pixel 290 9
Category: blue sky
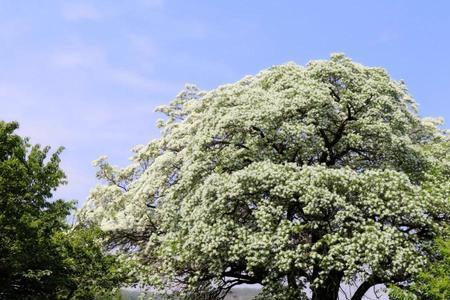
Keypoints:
pixel 88 74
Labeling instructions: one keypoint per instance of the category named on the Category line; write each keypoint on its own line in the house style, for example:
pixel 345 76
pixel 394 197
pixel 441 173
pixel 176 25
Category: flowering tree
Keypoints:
pixel 300 179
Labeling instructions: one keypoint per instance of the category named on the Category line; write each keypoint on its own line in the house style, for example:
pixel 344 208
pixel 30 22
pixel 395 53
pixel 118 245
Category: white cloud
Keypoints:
pixel 78 11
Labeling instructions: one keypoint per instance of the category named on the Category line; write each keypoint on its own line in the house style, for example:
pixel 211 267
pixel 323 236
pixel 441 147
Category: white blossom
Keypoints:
pixel 297 172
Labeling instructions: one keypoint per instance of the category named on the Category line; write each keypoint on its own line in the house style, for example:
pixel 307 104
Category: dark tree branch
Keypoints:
pixel 335 95
pixel 259 130
pixel 243 277
pixel 226 143
pixel 279 147
pixel 330 157
pixel 365 286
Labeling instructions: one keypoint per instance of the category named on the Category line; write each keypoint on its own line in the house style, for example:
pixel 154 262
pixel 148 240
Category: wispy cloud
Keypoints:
pixel 93 59
pixel 79 11
pixel 134 80
pixel 78 57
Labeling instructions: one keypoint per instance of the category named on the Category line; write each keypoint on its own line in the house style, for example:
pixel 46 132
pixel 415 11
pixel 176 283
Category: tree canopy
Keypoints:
pixel 300 179
pixel 40 256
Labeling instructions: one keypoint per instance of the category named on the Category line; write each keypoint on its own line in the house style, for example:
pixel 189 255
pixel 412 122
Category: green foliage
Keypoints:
pixel 434 281
pixel 93 274
pixel 40 258
pixel 29 265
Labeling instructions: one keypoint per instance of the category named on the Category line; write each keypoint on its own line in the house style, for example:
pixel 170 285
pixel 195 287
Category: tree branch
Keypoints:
pixel 365 286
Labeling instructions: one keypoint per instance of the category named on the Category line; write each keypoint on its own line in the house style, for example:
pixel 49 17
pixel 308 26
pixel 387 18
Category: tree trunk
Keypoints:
pixel 329 290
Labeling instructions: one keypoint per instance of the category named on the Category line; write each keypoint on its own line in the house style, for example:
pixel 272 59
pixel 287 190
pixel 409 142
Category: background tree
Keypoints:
pixel 434 281
pixel 91 273
pixel 40 258
pixel 298 179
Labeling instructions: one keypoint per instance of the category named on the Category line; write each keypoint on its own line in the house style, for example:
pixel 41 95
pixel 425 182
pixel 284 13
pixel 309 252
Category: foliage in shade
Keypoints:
pixel 298 178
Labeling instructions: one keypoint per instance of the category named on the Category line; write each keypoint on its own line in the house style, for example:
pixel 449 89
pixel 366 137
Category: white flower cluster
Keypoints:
pixel 297 172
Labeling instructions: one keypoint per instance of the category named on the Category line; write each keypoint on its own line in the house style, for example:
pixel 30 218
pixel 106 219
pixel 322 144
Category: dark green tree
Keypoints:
pixel 40 257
